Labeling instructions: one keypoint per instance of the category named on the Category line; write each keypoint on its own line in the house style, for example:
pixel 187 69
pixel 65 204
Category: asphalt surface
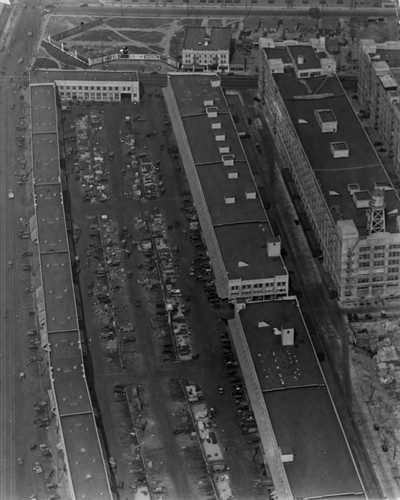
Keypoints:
pixel 17 392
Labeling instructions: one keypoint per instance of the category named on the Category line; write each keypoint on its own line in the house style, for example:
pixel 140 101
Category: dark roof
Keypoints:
pixel 391 56
pixel 334 174
pixel 52 75
pixel 196 39
pixel 298 402
pixel 308 54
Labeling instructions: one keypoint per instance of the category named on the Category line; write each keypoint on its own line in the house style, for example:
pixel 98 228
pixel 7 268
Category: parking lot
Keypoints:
pixel 166 380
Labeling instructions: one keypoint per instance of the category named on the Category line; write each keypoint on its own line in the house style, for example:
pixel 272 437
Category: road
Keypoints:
pixel 15 480
pixel 124 9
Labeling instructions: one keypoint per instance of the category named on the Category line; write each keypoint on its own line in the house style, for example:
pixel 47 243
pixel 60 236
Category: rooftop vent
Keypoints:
pixel 273 246
pixel 326 119
pixel 362 199
pixel 340 149
pixel 229 200
pixel 383 186
pixel 208 102
pixel 220 137
pixel 300 59
pixel 216 125
pixel 212 112
pixel 250 192
pixel 241 263
pixel 215 81
pixel 228 160
pixel 233 175
pixel 287 454
pixel 224 149
pixel 287 334
pixel 353 188
pixel 394 96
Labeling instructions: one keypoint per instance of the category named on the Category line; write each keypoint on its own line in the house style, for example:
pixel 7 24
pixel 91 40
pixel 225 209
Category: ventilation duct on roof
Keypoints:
pixel 216 125
pixel 208 102
pixel 233 175
pixel 228 160
pixel 353 188
pixel 229 200
pixel 212 112
pixel 273 247
pixel 220 137
pixel 340 149
pixel 287 334
pixel 224 149
pixel 326 120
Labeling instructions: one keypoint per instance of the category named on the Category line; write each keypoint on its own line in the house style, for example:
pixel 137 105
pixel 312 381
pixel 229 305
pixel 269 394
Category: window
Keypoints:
pixel 86 88
pixel 364 264
pixel 394 246
pixel 393 269
pixel 378 263
pixel 377 279
pixel 364 256
pixel 363 280
pixel 379 255
pixel 394 254
pixel 365 249
pixel 380 247
pixel 393 277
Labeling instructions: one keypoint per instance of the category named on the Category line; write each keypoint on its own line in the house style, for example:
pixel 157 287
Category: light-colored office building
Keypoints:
pixel 346 194
pixel 103 86
pixel 201 52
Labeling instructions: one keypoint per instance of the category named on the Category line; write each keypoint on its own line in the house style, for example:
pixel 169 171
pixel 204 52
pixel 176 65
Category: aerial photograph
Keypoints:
pixel 200 293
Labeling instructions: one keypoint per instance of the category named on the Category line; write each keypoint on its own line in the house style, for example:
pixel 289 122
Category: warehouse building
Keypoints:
pixel 244 252
pixel 98 86
pixel 201 52
pixel 302 441
pixel 345 192
pixel 379 93
pixel 83 459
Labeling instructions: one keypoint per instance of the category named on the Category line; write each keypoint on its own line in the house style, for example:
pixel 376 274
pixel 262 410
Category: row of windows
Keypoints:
pixel 395 246
pixel 93 88
pixel 258 285
pixel 91 95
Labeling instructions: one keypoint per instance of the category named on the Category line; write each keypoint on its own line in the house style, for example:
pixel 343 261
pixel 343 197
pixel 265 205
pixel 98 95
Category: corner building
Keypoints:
pixel 346 193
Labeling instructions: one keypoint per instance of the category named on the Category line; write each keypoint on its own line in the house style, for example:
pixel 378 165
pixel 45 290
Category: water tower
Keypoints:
pixel 376 212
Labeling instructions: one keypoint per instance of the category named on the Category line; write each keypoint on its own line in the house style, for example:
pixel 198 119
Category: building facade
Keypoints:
pixel 379 93
pixel 201 52
pixel 97 86
pixel 346 194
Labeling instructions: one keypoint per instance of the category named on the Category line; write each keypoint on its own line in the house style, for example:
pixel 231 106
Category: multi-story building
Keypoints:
pixel 379 92
pixel 244 253
pixel 201 52
pixel 345 191
pixel 104 86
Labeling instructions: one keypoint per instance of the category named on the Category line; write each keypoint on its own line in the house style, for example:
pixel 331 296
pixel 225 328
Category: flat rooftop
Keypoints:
pixel 45 156
pixel 216 186
pixel 58 292
pixel 278 53
pixel 391 56
pixel 362 166
pixel 233 202
pixel 84 457
pixel 43 108
pixel 196 39
pixel 244 251
pixel 307 55
pixel 52 75
pixel 280 367
pixel 304 420
pixel 50 214
pixel 301 410
pixel 207 150
pixel 68 373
